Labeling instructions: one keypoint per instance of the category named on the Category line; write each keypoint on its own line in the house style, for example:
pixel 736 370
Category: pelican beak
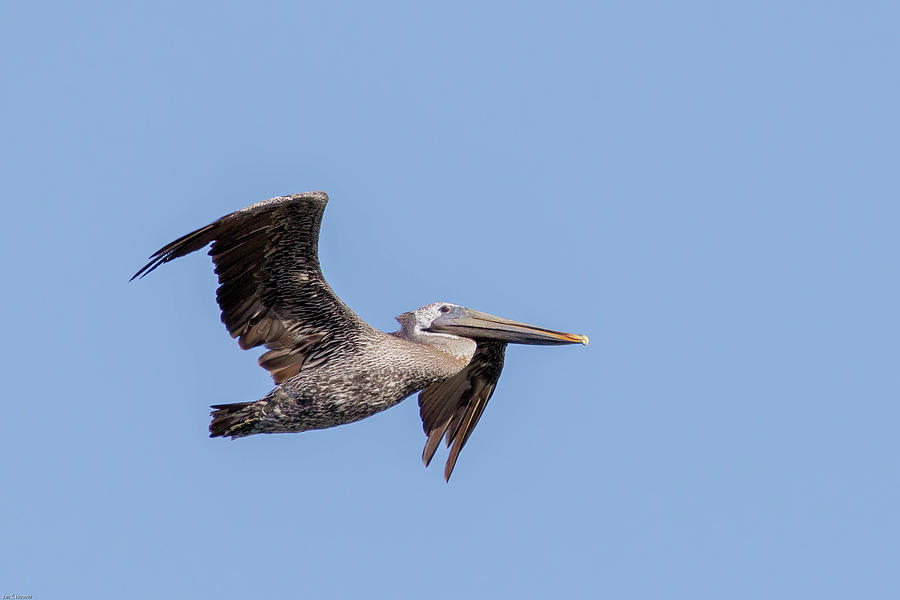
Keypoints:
pixel 475 325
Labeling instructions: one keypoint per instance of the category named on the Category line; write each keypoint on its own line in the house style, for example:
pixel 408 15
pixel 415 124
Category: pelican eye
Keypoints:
pixel 445 309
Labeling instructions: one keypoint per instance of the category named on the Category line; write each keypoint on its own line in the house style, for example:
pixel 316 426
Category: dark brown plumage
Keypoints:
pixel 451 408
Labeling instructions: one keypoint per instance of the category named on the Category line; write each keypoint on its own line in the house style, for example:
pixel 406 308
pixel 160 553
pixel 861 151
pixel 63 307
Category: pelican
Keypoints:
pixel 331 367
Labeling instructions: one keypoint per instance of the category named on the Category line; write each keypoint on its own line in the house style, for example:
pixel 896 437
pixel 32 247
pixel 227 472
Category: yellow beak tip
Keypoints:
pixel 584 340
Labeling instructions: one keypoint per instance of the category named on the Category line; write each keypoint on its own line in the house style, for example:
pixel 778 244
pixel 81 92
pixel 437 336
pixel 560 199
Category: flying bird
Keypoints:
pixel 330 366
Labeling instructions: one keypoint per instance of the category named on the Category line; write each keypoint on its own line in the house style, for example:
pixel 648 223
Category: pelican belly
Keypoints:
pixel 353 386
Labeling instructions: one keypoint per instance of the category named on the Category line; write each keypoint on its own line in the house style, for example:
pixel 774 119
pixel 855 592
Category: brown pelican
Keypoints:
pixel 330 366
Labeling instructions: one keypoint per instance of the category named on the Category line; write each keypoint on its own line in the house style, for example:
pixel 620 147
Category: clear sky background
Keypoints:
pixel 709 191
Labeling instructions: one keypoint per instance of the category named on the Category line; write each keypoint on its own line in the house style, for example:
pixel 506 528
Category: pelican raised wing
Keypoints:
pixel 330 366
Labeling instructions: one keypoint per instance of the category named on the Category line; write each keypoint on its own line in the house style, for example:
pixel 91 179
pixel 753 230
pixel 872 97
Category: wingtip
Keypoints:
pixel 448 468
pixel 155 259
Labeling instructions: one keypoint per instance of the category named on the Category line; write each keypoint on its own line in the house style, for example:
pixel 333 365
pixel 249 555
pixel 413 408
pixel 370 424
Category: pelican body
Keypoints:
pixel 330 366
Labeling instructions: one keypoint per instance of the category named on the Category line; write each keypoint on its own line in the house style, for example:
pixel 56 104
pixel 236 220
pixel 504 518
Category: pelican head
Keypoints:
pixel 444 318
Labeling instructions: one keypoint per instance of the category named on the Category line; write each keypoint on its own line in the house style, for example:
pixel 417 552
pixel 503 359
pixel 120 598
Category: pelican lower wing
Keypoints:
pixel 451 408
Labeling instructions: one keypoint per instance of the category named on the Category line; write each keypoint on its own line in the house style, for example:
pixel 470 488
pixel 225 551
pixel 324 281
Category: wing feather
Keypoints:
pixel 271 289
pixel 450 409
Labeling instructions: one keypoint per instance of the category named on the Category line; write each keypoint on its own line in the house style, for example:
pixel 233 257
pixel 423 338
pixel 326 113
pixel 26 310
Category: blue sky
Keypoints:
pixel 709 191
